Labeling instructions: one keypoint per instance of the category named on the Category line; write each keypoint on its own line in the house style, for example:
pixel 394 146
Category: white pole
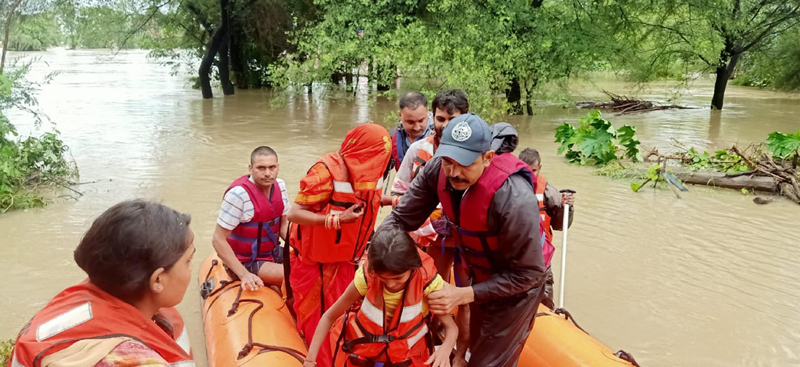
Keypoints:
pixel 564 255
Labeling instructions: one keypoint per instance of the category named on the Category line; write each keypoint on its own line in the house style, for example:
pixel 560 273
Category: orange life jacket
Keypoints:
pixel 404 341
pixel 424 154
pixel 317 244
pixel 547 243
pixel 84 311
pixel 470 221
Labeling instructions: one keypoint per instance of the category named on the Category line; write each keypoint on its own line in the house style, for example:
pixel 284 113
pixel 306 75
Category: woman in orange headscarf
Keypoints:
pixel 333 218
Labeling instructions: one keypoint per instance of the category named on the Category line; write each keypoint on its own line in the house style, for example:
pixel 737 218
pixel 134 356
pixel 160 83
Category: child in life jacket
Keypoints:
pixel 390 329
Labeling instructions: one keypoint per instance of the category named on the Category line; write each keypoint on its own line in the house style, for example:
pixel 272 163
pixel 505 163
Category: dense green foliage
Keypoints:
pixel 775 64
pixel 35 32
pixel 784 146
pixel 506 54
pixel 5 351
pixel 28 164
pixel 488 48
pixel 596 142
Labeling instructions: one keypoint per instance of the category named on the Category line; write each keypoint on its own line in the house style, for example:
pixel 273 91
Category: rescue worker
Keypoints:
pixel 390 328
pixel 123 313
pixel 416 123
pixel 492 225
pixel 446 105
pixel 551 212
pixel 251 222
pixel 333 217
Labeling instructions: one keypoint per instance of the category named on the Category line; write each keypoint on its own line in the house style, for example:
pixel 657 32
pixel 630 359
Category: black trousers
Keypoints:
pixel 499 329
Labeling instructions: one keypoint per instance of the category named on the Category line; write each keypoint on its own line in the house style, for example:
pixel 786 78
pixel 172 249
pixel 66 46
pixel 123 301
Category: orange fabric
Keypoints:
pixel 104 315
pixel 315 188
pixel 306 281
pixel 318 244
pixel 339 180
pixel 366 150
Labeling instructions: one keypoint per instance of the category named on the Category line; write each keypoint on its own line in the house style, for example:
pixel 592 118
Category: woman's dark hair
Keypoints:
pixel 128 242
pixel 393 251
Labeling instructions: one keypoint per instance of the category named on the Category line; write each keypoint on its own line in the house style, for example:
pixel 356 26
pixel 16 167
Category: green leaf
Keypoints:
pixel 744 191
pixel 635 186
pixel 653 172
pixel 626 135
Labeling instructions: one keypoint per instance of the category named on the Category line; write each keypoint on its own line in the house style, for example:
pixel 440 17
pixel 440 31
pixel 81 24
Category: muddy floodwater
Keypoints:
pixel 709 280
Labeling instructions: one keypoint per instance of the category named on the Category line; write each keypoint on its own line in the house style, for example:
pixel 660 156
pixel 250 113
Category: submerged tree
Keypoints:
pixel 676 37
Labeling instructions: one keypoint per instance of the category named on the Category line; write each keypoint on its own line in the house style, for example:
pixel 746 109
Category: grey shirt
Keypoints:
pixel 512 214
pixel 555 208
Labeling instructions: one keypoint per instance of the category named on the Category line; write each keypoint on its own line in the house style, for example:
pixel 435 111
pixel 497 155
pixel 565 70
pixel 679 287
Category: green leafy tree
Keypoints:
pixel 35 32
pixel 512 48
pixel 673 38
pixel 28 164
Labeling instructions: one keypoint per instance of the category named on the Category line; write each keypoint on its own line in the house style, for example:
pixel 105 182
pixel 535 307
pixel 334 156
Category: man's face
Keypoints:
pixel 462 177
pixel 264 170
pixel 441 118
pixel 414 121
pixel 535 167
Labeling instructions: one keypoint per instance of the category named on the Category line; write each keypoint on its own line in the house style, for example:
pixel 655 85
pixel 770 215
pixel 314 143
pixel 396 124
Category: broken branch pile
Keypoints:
pixel 749 168
pixel 624 105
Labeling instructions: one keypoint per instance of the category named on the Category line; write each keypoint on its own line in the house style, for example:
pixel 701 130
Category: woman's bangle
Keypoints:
pixel 395 201
pixel 310 361
pixel 338 223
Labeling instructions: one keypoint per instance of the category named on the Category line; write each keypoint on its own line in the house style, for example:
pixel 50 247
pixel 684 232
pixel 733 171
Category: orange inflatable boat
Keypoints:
pixel 243 327
pixel 556 341
pixel 255 328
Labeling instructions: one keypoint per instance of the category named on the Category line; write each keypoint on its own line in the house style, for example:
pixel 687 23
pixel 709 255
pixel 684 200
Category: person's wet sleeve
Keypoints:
pixel 418 202
pixel 555 208
pixel 520 247
pixel 403 178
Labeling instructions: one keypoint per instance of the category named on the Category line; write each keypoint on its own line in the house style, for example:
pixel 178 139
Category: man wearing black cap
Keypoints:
pixel 489 199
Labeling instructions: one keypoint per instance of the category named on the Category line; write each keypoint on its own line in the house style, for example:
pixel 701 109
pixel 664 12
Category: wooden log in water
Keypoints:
pixel 719 179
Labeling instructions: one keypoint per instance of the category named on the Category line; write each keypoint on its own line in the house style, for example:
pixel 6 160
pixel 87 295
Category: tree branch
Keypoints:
pixel 767 31
pixel 141 26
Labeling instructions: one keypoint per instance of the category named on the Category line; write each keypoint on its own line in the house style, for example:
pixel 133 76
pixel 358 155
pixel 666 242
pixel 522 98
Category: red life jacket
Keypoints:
pixel 245 240
pixel 317 244
pixel 547 236
pixel 401 342
pixel 471 231
pixel 84 311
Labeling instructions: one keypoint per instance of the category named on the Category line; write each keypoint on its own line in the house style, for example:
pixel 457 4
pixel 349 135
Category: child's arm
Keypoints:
pixel 441 357
pixel 341 305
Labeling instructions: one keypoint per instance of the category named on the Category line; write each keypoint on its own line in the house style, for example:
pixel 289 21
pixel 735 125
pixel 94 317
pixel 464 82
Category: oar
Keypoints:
pixel 565 228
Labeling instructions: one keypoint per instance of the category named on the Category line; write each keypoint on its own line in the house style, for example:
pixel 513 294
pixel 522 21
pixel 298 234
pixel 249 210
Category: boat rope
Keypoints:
pixel 568 316
pixel 621 354
pixel 625 356
pixel 207 290
pixel 264 348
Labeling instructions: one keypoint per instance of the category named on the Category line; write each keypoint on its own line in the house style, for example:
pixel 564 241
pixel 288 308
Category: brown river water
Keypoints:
pixel 709 280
